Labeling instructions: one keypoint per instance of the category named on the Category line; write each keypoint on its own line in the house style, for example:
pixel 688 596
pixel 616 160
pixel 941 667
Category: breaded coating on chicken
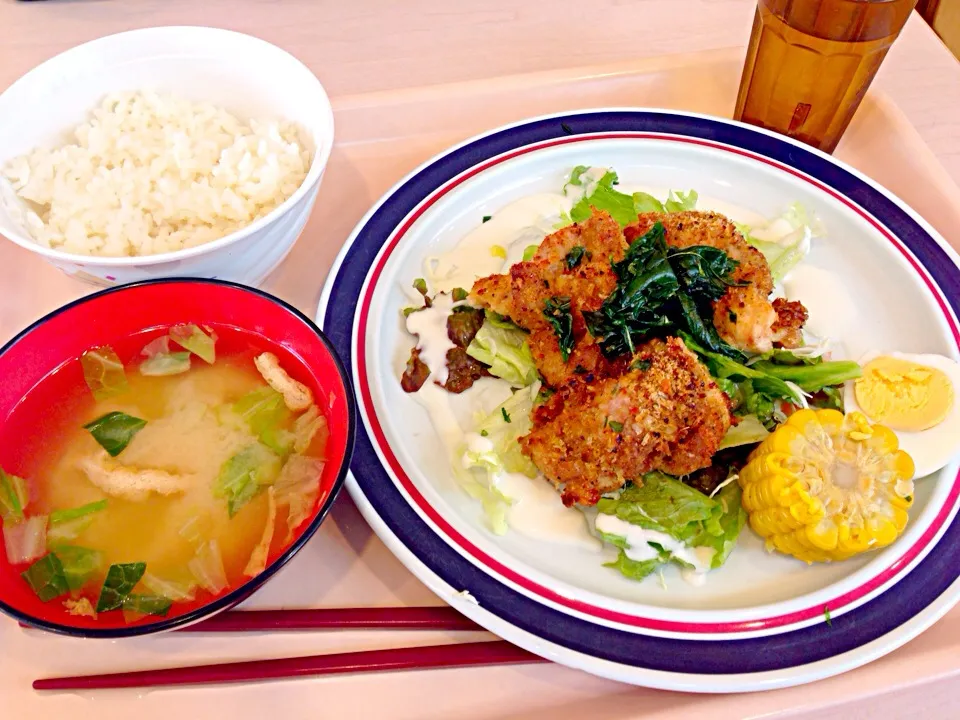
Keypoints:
pixel 586 279
pixel 744 316
pixel 664 413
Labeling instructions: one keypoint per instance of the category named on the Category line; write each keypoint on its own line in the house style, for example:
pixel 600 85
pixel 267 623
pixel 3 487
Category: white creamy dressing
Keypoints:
pixel 430 327
pixel 513 228
pixel 831 309
pixel 639 539
pixel 588 183
pixel 537 510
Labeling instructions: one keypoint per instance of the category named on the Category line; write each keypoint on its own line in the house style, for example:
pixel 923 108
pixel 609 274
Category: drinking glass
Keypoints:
pixel 810 62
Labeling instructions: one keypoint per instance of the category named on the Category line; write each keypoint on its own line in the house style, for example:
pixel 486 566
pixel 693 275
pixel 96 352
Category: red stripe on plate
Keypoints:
pixel 836 605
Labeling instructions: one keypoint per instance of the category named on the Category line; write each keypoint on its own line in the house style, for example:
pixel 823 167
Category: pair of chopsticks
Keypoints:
pixel 496 652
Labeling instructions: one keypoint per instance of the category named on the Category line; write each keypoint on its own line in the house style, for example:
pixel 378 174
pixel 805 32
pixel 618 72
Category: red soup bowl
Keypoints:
pixel 40 371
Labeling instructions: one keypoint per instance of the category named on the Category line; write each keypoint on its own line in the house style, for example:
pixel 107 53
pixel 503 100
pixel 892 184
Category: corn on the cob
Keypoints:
pixel 825 487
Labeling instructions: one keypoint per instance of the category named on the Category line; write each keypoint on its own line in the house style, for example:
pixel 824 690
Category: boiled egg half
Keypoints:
pixel 916 397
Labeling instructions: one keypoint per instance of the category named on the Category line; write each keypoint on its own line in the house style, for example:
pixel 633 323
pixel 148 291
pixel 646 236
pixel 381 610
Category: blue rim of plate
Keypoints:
pixel 868 622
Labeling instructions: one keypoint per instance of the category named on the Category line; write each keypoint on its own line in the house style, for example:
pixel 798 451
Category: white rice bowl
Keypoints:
pixel 150 174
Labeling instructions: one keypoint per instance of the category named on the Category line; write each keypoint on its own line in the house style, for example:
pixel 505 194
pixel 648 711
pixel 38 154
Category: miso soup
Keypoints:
pixel 161 480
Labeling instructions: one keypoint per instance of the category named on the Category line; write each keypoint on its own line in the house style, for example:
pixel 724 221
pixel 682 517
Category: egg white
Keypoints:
pixel 935 447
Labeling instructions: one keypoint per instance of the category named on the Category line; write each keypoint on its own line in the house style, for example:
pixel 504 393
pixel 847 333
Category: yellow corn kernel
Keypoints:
pixel 826 487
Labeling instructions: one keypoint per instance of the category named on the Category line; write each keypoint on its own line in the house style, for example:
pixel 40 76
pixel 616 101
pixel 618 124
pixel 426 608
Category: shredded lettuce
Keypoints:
pixel 492 449
pixel 785 240
pixel 506 351
pixel 502 434
pixel 747 432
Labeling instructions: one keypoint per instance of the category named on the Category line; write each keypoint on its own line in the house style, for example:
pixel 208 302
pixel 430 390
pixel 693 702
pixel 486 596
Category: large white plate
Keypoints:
pixel 760 620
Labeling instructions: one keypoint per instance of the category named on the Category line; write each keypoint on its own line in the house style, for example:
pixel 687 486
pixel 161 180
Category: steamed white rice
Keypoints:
pixel 153 174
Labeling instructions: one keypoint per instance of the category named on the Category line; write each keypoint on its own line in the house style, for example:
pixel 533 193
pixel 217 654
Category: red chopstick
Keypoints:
pixel 384 618
pixel 498 652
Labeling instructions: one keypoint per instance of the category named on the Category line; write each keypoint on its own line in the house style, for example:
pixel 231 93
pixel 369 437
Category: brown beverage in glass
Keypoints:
pixel 810 62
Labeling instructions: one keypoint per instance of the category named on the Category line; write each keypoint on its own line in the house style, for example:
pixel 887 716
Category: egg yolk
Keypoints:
pixel 903 395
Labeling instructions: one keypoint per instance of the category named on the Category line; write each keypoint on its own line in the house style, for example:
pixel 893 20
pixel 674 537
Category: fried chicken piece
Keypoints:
pixel 791 317
pixel 664 413
pixel 744 316
pixel 521 295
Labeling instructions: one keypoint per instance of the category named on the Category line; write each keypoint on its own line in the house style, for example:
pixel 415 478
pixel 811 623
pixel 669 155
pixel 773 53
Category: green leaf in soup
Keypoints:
pixel 79 564
pixel 529 252
pixel 14 497
pixel 556 310
pixel 179 590
pixel 103 372
pixel 137 606
pixel 243 475
pixel 162 364
pixel 45 577
pixel 266 414
pixel 114 431
pixel 192 338
pixel 58 517
pixel 120 581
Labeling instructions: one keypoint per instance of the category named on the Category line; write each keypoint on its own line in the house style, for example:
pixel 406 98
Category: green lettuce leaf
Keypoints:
pixel 747 432
pixel 636 569
pixel 622 207
pixel 494 449
pixel 506 351
pixel 664 504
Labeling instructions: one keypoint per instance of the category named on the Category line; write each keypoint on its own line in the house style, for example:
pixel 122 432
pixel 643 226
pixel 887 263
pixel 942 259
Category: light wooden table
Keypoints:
pixel 369 45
